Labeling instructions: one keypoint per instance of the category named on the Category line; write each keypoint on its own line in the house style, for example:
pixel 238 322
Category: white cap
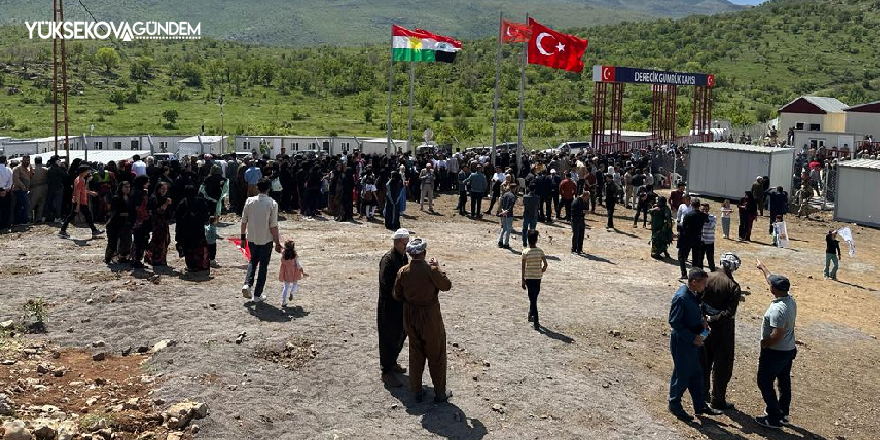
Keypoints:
pixel 400 233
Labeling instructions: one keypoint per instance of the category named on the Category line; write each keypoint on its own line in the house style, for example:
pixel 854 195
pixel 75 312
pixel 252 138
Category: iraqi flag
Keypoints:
pixel 557 50
pixel 422 46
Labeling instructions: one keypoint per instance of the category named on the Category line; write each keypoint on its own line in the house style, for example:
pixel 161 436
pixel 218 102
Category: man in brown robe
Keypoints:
pixel 417 286
pixel 719 302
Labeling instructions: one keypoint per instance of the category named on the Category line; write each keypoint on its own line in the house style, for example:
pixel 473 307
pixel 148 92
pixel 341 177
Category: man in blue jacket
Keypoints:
pixel 479 185
pixel 685 342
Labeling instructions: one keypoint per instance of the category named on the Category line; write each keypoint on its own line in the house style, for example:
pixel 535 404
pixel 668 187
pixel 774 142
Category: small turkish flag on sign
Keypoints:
pixel 710 80
pixel 608 74
pixel 557 50
pixel 512 32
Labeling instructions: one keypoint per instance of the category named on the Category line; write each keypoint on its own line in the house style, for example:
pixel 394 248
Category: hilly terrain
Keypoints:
pixel 762 58
pixel 353 22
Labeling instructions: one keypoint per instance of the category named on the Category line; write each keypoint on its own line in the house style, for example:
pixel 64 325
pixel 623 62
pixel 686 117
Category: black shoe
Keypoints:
pixel 398 369
pixel 420 396
pixel 500 244
pixel 765 422
pixel 536 325
pixel 137 265
pixel 680 414
pixel 723 406
pixel 709 411
pixel 443 397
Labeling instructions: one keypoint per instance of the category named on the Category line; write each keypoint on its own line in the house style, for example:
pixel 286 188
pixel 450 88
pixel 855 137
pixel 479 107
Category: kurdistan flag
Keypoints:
pixel 421 45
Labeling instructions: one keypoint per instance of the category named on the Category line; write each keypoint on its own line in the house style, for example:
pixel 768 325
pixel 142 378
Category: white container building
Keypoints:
pixel 721 169
pixel 857 196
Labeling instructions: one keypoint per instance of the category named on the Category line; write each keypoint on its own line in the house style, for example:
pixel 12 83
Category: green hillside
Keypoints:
pixel 762 58
pixel 353 22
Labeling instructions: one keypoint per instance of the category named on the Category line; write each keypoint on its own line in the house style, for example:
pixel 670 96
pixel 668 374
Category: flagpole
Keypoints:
pixel 412 86
pixel 497 80
pixel 522 85
pixel 390 85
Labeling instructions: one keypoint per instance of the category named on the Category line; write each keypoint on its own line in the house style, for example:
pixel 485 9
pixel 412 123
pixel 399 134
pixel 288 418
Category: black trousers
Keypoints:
pixel 391 333
pixel 212 251
pixel 118 240
pixel 717 360
pixel 496 193
pixel 462 202
pixel 476 203
pixel 545 213
pixel 577 235
pixel 555 197
pixel 566 205
pixel 87 216
pixel 707 252
pixel 688 248
pixel 610 208
pixel 6 210
pixel 640 208
pixel 534 288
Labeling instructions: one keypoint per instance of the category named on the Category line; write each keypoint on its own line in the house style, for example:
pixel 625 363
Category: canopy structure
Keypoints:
pixel 102 156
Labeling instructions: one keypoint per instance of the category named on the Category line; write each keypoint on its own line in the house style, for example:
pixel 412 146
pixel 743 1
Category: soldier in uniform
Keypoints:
pixel 417 286
pixel 803 196
pixel 719 301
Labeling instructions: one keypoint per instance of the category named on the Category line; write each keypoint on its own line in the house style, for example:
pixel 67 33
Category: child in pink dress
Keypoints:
pixel 291 272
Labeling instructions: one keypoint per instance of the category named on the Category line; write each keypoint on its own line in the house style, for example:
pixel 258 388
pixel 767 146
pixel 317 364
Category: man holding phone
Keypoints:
pixel 689 331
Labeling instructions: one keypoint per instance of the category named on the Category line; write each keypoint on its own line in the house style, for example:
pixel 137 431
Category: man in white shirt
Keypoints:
pixel 138 167
pixel 683 209
pixel 259 229
pixel 5 195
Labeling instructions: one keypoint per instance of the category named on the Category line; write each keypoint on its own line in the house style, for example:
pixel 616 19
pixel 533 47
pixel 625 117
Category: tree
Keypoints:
pixel 368 115
pixel 107 57
pixel 170 116
pixel 118 97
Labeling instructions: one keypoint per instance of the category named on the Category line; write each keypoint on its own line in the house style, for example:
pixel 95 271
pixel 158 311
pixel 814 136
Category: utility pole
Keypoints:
pixel 59 65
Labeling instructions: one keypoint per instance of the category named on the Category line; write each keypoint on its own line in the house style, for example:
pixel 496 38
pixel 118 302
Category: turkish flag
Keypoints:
pixel 553 49
pixel 512 32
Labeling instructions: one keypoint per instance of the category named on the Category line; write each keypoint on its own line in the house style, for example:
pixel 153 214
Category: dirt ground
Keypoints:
pixel 600 369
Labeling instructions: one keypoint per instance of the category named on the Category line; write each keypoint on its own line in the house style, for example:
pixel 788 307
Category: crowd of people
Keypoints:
pixel 139 200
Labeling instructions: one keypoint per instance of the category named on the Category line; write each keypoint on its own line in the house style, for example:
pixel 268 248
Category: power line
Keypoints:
pixel 88 11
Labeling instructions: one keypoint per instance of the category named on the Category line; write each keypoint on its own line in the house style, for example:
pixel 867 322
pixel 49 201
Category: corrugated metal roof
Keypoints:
pixel 832 105
pixel 873 164
pixel 738 147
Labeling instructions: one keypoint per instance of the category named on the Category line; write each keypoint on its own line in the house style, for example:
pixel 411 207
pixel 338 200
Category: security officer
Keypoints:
pixel 719 302
pixel 686 339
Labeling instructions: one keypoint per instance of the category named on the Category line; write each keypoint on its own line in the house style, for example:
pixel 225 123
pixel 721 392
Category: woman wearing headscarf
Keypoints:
pixel 139 215
pixel 393 191
pixel 242 189
pixel 661 229
pixel 214 189
pixel 748 212
pixel 103 182
pixel 192 215
pixel 160 210
pixel 119 226
pixel 346 203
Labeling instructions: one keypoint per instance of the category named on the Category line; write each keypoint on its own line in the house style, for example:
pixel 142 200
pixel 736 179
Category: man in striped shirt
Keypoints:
pixel 534 264
pixel 707 250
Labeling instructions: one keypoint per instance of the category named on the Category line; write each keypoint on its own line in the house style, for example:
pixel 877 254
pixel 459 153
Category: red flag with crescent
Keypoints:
pixel 242 246
pixel 554 49
pixel 512 32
